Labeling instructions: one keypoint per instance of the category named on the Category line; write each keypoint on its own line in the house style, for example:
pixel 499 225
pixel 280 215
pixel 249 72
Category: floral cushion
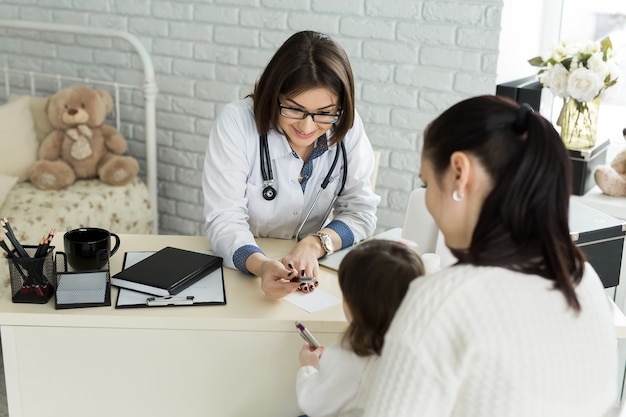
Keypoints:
pixel 87 203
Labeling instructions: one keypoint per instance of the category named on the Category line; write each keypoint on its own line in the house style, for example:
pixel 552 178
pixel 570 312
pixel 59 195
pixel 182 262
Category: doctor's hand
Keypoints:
pixel 275 278
pixel 302 260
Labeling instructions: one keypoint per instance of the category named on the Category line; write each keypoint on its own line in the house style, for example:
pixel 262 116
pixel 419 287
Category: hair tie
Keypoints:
pixel 520 125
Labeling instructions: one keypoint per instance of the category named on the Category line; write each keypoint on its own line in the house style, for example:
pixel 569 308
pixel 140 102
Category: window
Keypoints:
pixel 533 27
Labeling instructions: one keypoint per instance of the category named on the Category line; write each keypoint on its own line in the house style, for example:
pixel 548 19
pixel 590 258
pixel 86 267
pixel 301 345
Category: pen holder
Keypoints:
pixel 76 289
pixel 32 278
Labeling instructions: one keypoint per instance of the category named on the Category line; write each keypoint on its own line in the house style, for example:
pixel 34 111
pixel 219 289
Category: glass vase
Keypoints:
pixel 579 123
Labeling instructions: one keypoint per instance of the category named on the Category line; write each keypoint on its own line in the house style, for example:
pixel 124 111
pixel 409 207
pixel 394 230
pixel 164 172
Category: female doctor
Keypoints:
pixel 279 160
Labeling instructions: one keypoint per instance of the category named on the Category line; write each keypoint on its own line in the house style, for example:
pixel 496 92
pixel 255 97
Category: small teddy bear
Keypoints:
pixel 82 145
pixel 612 178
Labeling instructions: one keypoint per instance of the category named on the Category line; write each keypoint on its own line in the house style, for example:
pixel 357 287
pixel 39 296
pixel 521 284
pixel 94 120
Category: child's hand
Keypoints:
pixel 310 356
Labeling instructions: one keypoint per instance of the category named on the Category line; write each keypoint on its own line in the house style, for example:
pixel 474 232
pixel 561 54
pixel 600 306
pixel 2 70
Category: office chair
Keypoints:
pixel 419 227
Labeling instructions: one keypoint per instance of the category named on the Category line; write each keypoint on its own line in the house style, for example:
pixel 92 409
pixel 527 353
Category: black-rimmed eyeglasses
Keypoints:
pixel 322 118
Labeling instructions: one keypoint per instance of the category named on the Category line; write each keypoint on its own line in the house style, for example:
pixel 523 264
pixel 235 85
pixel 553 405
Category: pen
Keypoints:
pixel 301 278
pixel 306 335
pixel 169 301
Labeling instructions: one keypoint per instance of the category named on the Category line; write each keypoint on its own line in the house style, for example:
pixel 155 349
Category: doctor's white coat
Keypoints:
pixel 234 208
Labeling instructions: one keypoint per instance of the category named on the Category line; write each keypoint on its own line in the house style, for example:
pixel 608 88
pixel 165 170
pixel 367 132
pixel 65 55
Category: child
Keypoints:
pixel 373 277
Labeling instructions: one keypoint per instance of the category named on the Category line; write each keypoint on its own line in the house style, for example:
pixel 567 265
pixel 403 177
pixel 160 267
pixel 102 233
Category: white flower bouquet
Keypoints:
pixel 582 71
pixel 580 74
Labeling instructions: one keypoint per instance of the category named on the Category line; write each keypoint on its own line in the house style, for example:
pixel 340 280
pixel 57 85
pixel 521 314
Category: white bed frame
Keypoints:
pixel 149 89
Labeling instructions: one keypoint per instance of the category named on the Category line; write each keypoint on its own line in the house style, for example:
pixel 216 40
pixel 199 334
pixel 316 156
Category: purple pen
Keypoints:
pixel 306 335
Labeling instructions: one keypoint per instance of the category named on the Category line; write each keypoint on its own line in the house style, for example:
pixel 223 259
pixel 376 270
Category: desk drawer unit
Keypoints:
pixel 601 238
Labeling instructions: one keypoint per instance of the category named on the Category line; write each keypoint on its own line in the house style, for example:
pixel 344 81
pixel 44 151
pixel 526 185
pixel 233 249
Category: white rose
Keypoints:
pixel 596 64
pixel 555 78
pixel 614 71
pixel 584 84
pixel 571 49
pixel 590 47
pixel 559 52
pixel 614 74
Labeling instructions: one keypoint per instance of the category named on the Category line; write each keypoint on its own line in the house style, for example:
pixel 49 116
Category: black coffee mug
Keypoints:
pixel 89 248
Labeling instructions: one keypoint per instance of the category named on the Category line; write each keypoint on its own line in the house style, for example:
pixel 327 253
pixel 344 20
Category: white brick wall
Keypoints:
pixel 411 59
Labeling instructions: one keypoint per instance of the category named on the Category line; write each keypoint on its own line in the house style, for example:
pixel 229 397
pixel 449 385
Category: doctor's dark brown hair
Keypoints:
pixel 305 61
pixel 523 224
pixel 374 277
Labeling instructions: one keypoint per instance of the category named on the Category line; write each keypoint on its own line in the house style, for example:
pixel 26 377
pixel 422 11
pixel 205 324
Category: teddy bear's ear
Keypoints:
pixel 46 105
pixel 106 97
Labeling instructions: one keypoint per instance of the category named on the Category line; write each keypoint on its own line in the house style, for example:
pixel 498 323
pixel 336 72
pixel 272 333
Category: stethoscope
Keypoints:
pixel 269 192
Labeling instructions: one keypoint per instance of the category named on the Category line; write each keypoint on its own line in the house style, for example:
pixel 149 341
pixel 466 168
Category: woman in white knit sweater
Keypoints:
pixel 520 326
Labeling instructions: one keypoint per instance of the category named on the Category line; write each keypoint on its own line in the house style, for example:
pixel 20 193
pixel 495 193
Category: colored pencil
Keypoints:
pixel 42 250
pixel 6 227
pixel 6 248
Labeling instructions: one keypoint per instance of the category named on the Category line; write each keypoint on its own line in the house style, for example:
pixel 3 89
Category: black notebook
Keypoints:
pixel 167 272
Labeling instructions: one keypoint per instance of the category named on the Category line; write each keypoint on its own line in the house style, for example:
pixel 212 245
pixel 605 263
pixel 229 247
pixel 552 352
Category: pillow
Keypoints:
pixel 6 183
pixel 18 140
pixel 43 127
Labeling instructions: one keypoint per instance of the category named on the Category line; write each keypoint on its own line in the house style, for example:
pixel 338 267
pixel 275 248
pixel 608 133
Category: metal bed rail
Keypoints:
pixel 149 88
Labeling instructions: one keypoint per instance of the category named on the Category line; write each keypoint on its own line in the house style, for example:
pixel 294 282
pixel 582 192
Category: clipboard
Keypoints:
pixel 209 290
pixel 333 261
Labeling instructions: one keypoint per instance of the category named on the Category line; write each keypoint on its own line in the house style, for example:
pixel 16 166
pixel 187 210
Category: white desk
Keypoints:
pixel 234 360
pixel 239 359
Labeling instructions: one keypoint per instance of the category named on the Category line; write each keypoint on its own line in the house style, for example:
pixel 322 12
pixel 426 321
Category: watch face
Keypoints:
pixel 327 243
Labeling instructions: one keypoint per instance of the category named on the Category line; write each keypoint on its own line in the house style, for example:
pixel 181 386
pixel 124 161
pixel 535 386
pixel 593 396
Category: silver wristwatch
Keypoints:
pixel 327 243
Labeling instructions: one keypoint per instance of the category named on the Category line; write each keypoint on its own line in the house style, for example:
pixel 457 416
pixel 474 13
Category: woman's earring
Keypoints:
pixel 455 196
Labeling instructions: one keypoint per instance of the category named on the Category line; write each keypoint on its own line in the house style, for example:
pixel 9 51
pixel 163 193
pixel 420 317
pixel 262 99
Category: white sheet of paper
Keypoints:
pixel 313 301
pixel 208 289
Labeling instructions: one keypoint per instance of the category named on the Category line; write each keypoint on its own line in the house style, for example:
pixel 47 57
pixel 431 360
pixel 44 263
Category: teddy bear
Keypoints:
pixel 612 178
pixel 81 146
